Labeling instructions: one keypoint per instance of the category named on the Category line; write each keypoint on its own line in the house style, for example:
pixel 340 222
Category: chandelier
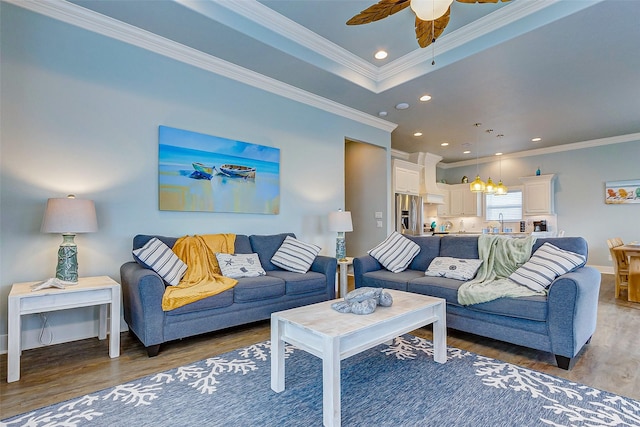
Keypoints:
pixel 478 185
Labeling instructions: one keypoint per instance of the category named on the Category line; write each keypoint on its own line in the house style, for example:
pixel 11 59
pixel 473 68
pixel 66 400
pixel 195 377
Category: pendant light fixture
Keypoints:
pixel 477 186
pixel 430 10
pixel 490 187
pixel 501 189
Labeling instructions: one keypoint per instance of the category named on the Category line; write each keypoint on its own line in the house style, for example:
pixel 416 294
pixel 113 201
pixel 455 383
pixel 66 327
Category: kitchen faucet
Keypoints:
pixel 501 219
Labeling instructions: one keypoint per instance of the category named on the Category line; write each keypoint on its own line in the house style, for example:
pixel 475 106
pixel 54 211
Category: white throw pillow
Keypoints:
pixel 395 253
pixel 294 255
pixel 161 259
pixel 240 265
pixel 453 268
pixel 547 263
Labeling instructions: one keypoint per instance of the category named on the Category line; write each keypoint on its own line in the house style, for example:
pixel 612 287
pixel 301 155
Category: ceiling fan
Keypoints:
pixel 432 16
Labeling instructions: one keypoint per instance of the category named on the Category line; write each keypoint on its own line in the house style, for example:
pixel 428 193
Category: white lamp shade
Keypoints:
pixel 340 221
pixel 69 215
pixel 430 10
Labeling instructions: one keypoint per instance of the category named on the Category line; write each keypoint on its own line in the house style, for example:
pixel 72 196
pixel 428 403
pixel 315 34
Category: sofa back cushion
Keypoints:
pixel 459 247
pixel 242 245
pixel 266 246
pixel 141 239
pixel 429 249
pixel 571 244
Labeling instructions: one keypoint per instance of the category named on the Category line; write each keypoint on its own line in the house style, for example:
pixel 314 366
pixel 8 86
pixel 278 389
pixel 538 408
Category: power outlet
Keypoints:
pixel 379 224
pixel 610 259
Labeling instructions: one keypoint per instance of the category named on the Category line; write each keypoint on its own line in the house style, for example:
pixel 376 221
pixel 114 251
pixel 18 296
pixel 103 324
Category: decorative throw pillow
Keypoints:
pixel 294 255
pixel 161 259
pixel 395 253
pixel 453 268
pixel 240 265
pixel 547 263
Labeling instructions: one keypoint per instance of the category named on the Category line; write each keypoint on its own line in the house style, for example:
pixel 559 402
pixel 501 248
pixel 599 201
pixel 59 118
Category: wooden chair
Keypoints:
pixel 620 265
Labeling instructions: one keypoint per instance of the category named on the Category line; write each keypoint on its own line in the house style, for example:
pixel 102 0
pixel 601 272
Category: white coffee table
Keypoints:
pixel 333 336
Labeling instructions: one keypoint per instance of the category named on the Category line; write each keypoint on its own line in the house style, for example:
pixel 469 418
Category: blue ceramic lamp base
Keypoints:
pixel 67 268
pixel 341 249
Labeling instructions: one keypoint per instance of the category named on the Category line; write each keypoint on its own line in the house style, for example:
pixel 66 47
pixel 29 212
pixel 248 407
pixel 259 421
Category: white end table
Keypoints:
pixel 101 290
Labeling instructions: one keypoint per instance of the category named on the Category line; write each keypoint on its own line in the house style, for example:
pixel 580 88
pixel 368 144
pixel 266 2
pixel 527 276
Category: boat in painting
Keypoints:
pixel 237 171
pixel 202 171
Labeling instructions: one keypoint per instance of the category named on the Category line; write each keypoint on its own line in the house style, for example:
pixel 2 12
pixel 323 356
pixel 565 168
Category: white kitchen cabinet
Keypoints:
pixel 406 177
pixel 444 208
pixel 462 202
pixel 538 194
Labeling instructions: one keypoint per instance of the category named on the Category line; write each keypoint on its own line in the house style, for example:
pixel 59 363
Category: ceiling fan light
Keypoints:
pixel 477 186
pixel 430 10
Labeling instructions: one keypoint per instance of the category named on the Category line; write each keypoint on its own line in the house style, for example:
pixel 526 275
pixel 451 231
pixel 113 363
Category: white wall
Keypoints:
pixel 580 191
pixel 80 114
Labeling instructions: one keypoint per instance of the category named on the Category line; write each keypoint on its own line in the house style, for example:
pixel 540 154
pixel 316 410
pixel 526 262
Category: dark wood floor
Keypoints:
pixel 52 374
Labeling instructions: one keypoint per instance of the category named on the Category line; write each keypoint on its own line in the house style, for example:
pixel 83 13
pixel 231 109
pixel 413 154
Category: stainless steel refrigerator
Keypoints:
pixel 409 214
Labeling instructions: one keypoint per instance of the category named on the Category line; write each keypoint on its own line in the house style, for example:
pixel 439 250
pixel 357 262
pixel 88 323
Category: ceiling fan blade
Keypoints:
pixel 426 33
pixel 380 10
pixel 481 1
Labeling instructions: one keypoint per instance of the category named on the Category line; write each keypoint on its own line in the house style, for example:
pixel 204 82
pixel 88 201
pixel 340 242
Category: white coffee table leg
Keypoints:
pixel 440 334
pixel 277 357
pixel 114 338
pixel 14 340
pixel 331 412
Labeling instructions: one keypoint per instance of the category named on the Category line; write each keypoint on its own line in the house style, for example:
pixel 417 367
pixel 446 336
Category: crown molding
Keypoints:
pixel 95 22
pixel 632 137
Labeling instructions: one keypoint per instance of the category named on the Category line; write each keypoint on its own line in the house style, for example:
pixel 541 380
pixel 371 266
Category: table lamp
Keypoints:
pixel 340 221
pixel 69 216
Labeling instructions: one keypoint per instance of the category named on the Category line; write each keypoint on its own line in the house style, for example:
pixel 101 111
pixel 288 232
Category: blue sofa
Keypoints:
pixel 252 299
pixel 561 322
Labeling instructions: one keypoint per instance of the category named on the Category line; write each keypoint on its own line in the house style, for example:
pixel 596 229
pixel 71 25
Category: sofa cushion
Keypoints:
pixel 242 245
pixel 266 246
pixel 258 288
pixel 296 284
pixel 429 249
pixel 140 240
pixel 240 265
pixel 545 265
pixel 459 247
pixel 453 268
pixel 295 255
pixel 388 280
pixel 223 299
pixel 529 308
pixel 160 258
pixel 395 253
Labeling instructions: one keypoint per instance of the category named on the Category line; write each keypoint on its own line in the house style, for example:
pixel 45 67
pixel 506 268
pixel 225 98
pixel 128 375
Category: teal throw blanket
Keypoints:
pixel 501 256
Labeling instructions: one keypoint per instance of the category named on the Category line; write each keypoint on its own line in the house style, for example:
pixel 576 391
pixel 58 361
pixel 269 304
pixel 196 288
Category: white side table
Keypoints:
pixel 344 269
pixel 89 291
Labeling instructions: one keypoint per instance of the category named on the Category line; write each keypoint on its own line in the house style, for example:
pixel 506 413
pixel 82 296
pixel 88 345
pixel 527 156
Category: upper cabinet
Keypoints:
pixel 538 194
pixel 462 202
pixel 443 208
pixel 406 177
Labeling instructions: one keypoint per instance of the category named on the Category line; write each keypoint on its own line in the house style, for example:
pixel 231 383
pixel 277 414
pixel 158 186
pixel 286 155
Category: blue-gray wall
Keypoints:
pixel 80 114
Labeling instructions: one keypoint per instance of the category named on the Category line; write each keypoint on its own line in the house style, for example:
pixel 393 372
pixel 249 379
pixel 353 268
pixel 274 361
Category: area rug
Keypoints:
pixel 388 385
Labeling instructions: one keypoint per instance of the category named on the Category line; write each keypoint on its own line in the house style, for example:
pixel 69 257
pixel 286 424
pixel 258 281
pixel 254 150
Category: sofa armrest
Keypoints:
pixel 362 265
pixel 142 291
pixel 573 310
pixel 327 266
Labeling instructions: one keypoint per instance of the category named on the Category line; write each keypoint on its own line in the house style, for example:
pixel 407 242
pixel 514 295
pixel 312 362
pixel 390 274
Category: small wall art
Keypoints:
pixel 622 192
pixel 204 173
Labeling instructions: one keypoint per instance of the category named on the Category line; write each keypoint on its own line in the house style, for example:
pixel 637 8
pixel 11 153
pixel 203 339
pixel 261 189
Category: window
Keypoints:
pixel 509 205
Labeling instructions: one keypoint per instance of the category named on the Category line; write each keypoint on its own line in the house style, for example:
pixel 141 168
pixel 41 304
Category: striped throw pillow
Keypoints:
pixel 161 259
pixel 395 253
pixel 294 255
pixel 547 263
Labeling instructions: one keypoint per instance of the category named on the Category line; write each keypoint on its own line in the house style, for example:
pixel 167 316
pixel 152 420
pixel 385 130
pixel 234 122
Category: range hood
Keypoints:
pixel 428 189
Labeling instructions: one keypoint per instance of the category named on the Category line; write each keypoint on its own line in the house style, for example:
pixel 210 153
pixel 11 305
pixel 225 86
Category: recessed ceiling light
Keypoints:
pixel 402 106
pixel 382 114
pixel 417 134
pixel 444 144
pixel 536 139
pixel 466 152
pixel 425 98
pixel 498 154
pixel 381 54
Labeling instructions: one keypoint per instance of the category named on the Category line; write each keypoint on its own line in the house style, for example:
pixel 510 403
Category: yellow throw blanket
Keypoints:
pixel 203 277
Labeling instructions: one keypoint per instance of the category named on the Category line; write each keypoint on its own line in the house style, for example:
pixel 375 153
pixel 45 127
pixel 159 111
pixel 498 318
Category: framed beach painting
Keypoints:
pixel 622 192
pixel 204 173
